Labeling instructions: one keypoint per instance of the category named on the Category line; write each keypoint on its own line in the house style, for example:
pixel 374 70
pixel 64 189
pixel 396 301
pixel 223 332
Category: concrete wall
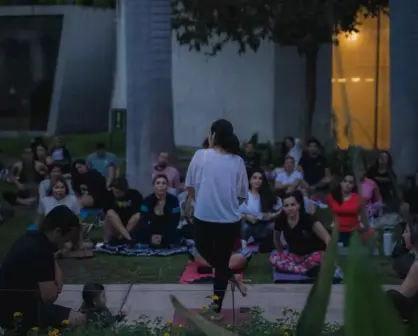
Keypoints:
pixel 404 84
pixel 85 69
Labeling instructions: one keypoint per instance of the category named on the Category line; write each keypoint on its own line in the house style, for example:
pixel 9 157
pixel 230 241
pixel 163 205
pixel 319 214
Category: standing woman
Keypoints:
pixel 217 181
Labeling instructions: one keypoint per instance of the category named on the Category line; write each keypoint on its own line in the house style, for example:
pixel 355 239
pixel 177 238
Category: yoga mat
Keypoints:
pixel 192 276
pixel 84 213
pixel 253 248
pixel 287 278
pixel 139 250
pixel 228 316
pixel 32 227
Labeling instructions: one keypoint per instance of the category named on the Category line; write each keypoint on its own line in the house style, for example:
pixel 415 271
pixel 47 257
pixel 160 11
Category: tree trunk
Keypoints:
pixel 311 56
pixel 149 89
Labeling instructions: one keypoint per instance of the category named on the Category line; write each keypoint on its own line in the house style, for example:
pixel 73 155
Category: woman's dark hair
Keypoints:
pixel 225 137
pixel 205 143
pixel 267 197
pixel 60 179
pixel 35 147
pixel 299 198
pixel 337 193
pixel 390 160
pixel 286 150
pixel 74 171
pixel 61 217
pixel 52 166
pixel 91 291
pixel 156 177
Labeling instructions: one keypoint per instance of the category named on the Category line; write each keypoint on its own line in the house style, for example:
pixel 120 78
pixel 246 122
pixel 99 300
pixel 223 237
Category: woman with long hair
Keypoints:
pixel 346 204
pixel 217 181
pixel 305 236
pixel 260 209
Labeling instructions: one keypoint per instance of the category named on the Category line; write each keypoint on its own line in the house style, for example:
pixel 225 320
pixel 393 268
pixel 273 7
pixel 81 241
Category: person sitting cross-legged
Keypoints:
pixel 160 216
pixel 305 236
pixel 55 172
pixel 122 214
pixel 89 185
pixel 163 167
pixel 289 179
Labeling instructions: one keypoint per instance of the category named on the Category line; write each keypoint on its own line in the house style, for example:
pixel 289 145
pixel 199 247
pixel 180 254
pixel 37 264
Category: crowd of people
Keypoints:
pixel 227 202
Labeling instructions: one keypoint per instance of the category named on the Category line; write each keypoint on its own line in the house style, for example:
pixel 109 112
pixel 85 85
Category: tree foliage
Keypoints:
pixel 300 23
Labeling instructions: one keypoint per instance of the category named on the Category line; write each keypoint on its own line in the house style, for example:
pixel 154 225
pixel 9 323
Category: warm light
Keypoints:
pixel 341 80
pixel 353 36
pixel 369 80
pixel 355 79
pixel 333 80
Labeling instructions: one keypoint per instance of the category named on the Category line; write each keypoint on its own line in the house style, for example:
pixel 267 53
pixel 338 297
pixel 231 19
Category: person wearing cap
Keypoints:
pixel 122 212
pixel 30 278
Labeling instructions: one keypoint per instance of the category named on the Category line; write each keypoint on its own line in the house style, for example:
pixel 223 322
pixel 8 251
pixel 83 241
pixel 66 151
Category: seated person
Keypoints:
pixel 289 179
pixel 61 155
pixel 162 167
pixel 260 209
pixel 346 204
pixel 306 239
pixel 55 172
pixel 384 176
pixel 251 159
pixel 122 213
pixel 315 169
pixel 404 252
pixel 94 306
pixel 41 157
pixel 292 147
pixel 405 299
pixel 89 185
pixel 371 196
pixel 105 163
pixel 30 278
pixel 160 216
pixel 25 175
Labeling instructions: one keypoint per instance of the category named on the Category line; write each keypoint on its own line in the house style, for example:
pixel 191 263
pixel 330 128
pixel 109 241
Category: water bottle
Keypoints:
pixel 387 243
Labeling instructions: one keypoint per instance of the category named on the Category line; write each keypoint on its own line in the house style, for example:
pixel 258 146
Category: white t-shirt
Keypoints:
pixel 47 203
pixel 284 178
pixel 296 151
pixel 253 205
pixel 218 180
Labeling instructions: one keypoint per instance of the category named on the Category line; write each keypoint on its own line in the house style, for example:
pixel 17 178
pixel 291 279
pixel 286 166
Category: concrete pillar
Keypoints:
pixel 404 85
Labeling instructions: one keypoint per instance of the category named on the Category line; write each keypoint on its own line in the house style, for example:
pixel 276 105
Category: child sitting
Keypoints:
pixel 94 306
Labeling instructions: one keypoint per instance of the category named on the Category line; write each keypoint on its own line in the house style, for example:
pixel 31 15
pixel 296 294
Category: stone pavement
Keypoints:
pixel 154 300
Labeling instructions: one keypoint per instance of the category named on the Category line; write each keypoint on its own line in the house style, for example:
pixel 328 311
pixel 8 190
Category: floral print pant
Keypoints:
pixel 286 262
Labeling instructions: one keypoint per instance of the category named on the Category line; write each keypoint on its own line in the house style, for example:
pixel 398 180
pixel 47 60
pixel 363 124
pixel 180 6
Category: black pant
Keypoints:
pixel 215 243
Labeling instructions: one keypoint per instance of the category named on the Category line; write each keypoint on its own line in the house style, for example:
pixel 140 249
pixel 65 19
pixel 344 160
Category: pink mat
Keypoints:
pixel 226 313
pixel 192 276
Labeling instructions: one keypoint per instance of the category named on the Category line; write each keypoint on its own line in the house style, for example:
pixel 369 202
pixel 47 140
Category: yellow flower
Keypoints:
pixel 54 332
pixel 166 334
pixel 35 329
pixel 17 314
pixel 180 326
pixel 169 322
pixel 215 297
pixel 286 334
pixel 65 322
pixel 204 307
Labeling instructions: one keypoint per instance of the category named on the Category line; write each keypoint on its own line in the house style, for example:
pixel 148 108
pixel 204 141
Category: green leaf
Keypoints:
pixel 367 310
pixel 197 321
pixel 313 315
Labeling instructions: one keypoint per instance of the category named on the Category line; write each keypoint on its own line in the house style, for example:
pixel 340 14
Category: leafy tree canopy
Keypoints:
pixel 301 23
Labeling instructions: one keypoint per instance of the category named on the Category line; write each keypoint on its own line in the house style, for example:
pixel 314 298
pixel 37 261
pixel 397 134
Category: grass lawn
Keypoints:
pixel 117 269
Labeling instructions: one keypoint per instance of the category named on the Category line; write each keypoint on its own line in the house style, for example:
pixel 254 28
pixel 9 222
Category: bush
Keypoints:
pixel 253 326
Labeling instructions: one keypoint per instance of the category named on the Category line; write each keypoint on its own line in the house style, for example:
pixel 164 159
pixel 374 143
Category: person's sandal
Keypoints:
pixel 238 284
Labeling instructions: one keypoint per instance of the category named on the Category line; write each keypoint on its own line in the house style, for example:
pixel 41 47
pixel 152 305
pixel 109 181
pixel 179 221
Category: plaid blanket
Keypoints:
pixel 141 250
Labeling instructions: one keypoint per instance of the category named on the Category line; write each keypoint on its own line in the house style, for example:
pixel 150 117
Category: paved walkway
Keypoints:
pixel 154 300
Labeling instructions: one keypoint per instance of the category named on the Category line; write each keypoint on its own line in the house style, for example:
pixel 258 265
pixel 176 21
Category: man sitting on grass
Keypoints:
pixel 122 212
pixel 30 278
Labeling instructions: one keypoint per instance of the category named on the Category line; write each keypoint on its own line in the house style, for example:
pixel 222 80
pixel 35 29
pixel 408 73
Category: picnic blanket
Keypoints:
pixel 192 276
pixel 281 278
pixel 140 250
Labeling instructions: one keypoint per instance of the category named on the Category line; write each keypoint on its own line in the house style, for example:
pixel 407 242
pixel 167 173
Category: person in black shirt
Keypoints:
pixel 305 236
pixel 122 212
pixel 30 278
pixel 384 176
pixel 160 216
pixel 315 167
pixel 89 185
pixel 251 159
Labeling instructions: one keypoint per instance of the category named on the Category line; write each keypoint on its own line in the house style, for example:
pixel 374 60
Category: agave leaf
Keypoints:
pixel 313 315
pixel 367 310
pixel 203 325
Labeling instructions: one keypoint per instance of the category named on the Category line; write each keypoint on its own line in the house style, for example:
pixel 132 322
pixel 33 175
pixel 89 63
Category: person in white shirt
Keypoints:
pixel 260 209
pixel 217 181
pixel 289 179
pixel 292 147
